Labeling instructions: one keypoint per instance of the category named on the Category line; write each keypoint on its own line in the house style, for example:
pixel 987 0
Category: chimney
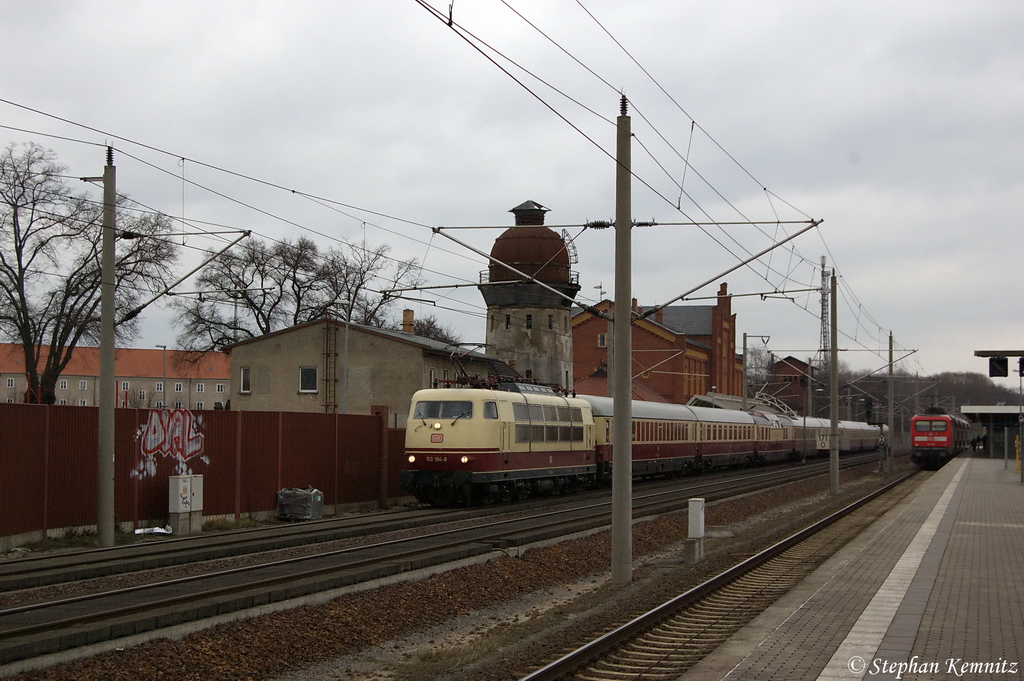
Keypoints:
pixel 659 316
pixel 408 317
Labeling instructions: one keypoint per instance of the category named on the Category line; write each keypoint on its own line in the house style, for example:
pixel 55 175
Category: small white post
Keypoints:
pixel 696 518
pixel 695 542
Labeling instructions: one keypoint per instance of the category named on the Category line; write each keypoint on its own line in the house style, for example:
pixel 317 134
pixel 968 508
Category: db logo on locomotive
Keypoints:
pixel 437 438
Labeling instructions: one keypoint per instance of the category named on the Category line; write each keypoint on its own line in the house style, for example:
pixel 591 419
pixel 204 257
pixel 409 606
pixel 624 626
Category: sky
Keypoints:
pixel 899 125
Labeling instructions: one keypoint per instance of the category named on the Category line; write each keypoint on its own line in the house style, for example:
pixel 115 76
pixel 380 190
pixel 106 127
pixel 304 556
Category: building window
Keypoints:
pixel 63 402
pixel 245 380
pixel 551 321
pixel 177 387
pixel 508 321
pixel 124 386
pixel 529 321
pixel 142 396
pixel 307 379
pixel 602 340
pixel 10 382
pixel 200 387
pixel 159 404
pixel 220 387
pixel 432 377
pixel 81 403
pixel 63 384
pixel 199 405
pixel 83 385
pixel 159 386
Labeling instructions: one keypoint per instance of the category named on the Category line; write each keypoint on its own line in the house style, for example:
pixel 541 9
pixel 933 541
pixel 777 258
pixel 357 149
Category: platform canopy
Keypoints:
pixel 1004 415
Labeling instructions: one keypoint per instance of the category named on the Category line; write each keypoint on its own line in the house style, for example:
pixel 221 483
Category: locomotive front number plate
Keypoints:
pixel 437 438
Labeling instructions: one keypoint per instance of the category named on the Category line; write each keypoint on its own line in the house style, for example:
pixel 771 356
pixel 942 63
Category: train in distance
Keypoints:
pixel 936 438
pixel 467 446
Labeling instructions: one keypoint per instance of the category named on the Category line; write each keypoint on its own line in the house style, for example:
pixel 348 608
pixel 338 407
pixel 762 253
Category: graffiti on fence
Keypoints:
pixel 174 434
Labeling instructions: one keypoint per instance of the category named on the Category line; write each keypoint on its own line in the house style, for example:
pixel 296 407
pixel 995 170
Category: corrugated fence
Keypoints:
pixel 48 461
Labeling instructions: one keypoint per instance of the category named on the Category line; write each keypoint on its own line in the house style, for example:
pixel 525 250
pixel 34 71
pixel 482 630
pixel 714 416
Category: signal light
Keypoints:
pixel 997 366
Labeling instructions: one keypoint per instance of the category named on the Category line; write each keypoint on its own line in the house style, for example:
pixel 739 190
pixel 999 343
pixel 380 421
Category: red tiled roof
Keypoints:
pixel 128 363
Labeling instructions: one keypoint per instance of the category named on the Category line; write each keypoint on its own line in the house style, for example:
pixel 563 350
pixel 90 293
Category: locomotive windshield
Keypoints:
pixel 443 409
pixel 925 426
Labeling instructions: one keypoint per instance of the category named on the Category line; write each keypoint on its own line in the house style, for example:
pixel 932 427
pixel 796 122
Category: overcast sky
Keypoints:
pixel 899 124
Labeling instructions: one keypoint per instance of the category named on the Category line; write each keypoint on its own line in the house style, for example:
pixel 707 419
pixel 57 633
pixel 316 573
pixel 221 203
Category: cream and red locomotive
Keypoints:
pixel 472 445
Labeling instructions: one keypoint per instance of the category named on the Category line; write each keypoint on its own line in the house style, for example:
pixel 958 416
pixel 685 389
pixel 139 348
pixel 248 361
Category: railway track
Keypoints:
pixel 46 627
pixel 667 641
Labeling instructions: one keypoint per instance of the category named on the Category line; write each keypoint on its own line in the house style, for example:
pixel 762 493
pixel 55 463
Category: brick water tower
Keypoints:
pixel 528 325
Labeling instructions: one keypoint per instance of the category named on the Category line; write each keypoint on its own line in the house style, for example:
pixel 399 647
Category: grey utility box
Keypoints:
pixel 185 497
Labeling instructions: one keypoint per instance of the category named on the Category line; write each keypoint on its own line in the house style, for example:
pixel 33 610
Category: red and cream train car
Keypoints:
pixel 469 445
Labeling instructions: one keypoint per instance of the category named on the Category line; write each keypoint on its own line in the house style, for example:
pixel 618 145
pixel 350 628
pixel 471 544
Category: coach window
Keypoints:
pixel 307 379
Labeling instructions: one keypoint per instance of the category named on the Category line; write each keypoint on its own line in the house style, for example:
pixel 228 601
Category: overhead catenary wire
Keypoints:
pixel 792 252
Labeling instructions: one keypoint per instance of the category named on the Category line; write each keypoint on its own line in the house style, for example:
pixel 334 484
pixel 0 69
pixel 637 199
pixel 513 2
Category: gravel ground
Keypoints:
pixel 486 622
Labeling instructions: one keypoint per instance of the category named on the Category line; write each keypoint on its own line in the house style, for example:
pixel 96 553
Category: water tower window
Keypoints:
pixel 529 321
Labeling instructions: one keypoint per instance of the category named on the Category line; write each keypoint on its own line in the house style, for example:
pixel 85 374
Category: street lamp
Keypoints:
pixel 163 384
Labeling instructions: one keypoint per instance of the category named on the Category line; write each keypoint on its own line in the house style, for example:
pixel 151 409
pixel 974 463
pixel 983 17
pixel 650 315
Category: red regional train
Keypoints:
pixel 937 438
pixel 469 446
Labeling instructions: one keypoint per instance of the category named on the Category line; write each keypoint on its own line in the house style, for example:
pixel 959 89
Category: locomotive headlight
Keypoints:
pixel 466 459
pixel 412 458
pixel 437 426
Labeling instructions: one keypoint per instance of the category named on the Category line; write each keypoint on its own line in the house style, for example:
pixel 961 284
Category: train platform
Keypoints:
pixel 932 590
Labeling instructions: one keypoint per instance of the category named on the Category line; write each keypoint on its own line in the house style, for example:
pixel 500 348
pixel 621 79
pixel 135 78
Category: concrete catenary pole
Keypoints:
pixel 892 411
pixel 743 388
pixel 622 421
pixel 833 435
pixel 105 461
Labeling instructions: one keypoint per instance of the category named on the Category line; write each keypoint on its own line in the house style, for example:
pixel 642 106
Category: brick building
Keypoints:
pixel 787 383
pixel 680 351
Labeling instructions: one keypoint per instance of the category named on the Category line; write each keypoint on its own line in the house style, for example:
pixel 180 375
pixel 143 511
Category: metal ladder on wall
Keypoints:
pixel 330 379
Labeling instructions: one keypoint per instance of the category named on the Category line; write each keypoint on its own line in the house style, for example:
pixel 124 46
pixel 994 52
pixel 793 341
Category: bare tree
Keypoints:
pixel 258 288
pixel 50 243
pixel 759 364
pixel 429 326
